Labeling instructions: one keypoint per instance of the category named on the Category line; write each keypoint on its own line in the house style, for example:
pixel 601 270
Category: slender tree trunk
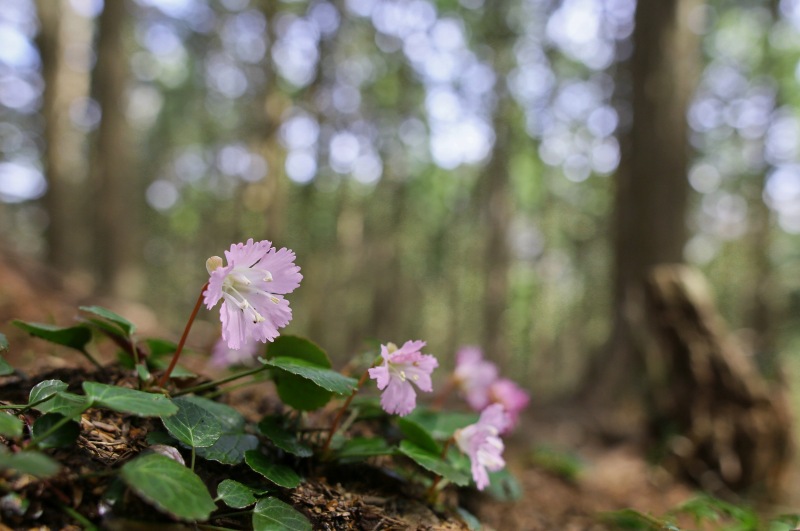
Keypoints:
pixel 495 197
pixel 116 201
pixel 64 164
pixel 651 184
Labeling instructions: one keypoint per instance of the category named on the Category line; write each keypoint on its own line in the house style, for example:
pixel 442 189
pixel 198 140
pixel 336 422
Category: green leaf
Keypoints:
pixel 63 437
pixel 45 389
pixel 10 425
pixel 418 435
pixel 5 367
pixel 143 372
pixel 434 463
pixel 232 421
pixel 72 336
pixel 273 429
pixel 236 495
pixel 281 475
pixel 230 448
pixel 503 486
pixel 123 325
pixel 30 462
pixel 192 425
pixel 66 404
pixel 295 391
pixel 441 424
pixel 298 348
pixel 472 522
pixel 170 486
pixel 326 378
pixel 361 447
pixel 160 347
pixel 271 514
pixel 160 437
pixel 130 401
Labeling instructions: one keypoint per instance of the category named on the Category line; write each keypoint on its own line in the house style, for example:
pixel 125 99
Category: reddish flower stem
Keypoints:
pixel 165 377
pixel 338 418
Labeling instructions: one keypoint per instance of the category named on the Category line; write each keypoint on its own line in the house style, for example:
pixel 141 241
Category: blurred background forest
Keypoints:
pixel 460 171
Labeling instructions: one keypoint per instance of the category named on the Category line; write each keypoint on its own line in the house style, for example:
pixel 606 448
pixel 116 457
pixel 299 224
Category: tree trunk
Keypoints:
pixel 494 193
pixel 651 183
pixel 64 164
pixel 116 200
pixel 720 424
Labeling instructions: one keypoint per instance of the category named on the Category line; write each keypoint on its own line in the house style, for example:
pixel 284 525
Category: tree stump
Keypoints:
pixel 722 424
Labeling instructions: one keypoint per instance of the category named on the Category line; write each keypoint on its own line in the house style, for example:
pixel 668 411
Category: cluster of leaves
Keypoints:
pixel 703 511
pixel 276 447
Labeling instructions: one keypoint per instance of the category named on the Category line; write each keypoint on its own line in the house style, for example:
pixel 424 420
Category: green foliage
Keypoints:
pixel 273 429
pixel 110 321
pixel 327 379
pixel 271 514
pixel 130 401
pixel 418 435
pixel 236 495
pixel 75 337
pixel 294 390
pixel 45 389
pixel 363 447
pixel 434 463
pixel 563 464
pixel 10 426
pixel 170 486
pixel 230 448
pixel 29 462
pixel 705 511
pixel 281 475
pixel 441 425
pixel 5 368
pixel 55 431
pixel 192 425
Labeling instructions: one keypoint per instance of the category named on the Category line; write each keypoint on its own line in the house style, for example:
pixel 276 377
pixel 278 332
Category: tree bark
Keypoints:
pixel 64 164
pixel 116 200
pixel 651 183
pixel 719 422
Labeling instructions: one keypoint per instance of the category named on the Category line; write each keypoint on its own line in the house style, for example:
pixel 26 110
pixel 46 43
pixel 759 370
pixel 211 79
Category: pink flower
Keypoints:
pixel 512 398
pixel 252 286
pixel 482 443
pixel 473 376
pixel 223 356
pixel 400 368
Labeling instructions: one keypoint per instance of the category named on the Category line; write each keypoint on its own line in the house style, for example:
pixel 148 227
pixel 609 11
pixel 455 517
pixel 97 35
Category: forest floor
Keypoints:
pixel 570 478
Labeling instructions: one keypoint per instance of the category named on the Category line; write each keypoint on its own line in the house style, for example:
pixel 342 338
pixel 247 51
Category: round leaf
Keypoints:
pixel 326 378
pixel 281 475
pixel 170 486
pixel 230 448
pixel 271 514
pixel 192 425
pixel 295 391
pixel 418 435
pixel 73 336
pixel 30 462
pixel 236 495
pixel 10 426
pixel 45 389
pixel 130 401
pixel 272 428
pixel 434 463
pixel 123 325
pixel 63 436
